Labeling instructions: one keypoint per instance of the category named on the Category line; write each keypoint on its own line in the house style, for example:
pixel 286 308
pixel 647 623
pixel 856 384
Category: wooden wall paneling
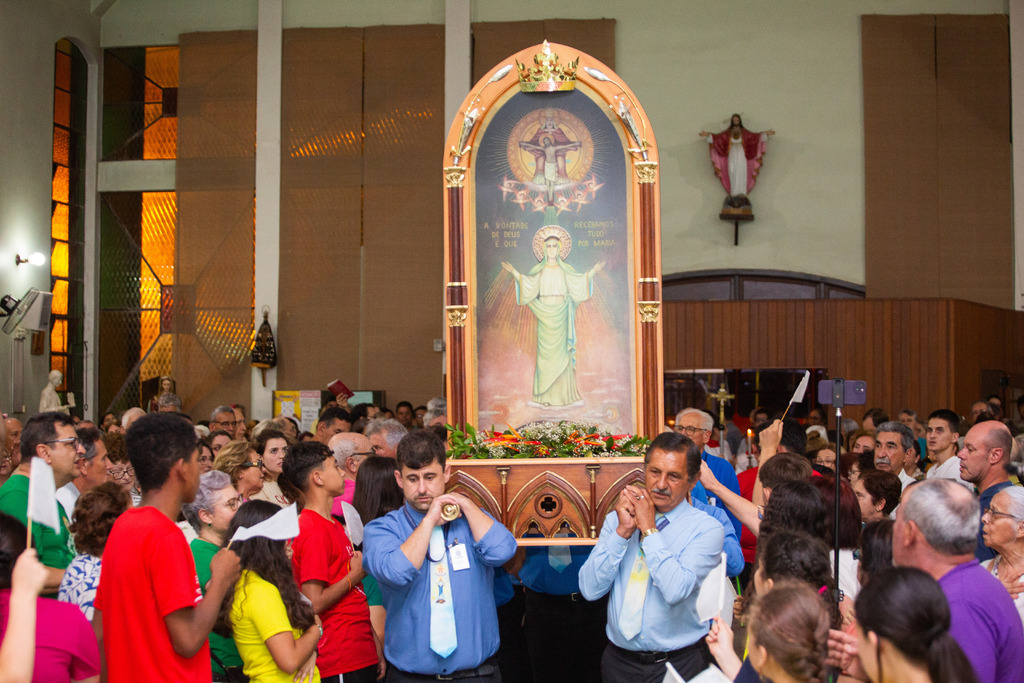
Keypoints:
pixel 974 159
pixel 494 41
pixel 596 37
pixel 215 177
pixel 403 243
pixel 921 353
pixel 900 145
pixel 321 212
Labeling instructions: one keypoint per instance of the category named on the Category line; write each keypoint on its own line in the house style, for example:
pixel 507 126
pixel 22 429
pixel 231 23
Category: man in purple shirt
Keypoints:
pixel 935 531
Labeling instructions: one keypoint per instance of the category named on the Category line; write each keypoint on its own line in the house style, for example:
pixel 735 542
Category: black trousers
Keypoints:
pixel 565 636
pixel 397 676
pixel 622 666
pixel 367 674
pixel 513 657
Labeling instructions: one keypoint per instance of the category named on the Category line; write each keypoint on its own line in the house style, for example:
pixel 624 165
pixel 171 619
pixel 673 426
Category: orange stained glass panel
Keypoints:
pixel 62 107
pixel 162 65
pixel 60 184
pixel 160 141
pixel 62 77
pixel 159 226
pixel 60 363
pixel 59 260
pixel 59 304
pixel 59 222
pixel 153 92
pixel 150 329
pixel 59 336
pixel 151 112
pixel 61 146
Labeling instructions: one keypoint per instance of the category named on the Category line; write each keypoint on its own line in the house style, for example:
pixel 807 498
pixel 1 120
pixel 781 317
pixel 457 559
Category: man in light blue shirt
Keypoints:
pixel 400 553
pixel 668 547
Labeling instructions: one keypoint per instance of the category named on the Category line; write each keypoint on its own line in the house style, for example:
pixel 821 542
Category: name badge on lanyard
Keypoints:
pixel 459 556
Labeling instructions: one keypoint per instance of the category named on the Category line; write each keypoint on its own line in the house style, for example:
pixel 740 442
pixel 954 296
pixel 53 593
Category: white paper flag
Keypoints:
pixel 712 674
pixel 716 595
pixel 281 527
pixel 801 389
pixel 353 523
pixel 42 495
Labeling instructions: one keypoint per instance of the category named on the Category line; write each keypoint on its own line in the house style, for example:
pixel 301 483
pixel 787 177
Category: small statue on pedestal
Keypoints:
pixel 736 154
pixel 48 398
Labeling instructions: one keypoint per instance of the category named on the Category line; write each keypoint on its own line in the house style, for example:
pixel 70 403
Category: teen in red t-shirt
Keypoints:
pixel 150 614
pixel 327 569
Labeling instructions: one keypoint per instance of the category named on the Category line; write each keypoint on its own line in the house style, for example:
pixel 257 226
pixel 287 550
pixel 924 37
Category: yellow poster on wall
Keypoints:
pixel 302 405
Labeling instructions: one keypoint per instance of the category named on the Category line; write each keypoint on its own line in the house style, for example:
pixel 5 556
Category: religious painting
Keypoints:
pixel 552 247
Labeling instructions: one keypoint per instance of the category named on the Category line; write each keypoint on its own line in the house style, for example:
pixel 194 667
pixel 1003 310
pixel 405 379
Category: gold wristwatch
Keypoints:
pixel 647 532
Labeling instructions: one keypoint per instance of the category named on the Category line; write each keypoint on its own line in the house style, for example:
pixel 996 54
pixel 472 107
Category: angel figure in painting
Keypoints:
pixel 552 290
pixel 736 154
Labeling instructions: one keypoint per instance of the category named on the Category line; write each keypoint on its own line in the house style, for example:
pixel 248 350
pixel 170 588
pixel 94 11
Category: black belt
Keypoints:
pixel 488 668
pixel 551 597
pixel 647 657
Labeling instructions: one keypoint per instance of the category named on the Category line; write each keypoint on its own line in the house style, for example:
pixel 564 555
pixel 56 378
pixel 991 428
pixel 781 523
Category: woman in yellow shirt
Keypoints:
pixel 272 624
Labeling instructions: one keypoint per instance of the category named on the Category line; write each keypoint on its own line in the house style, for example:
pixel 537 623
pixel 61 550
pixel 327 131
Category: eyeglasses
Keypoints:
pixel 229 423
pixel 120 472
pixel 255 463
pixel 365 453
pixel 233 503
pixel 690 431
pixel 73 441
pixel 996 513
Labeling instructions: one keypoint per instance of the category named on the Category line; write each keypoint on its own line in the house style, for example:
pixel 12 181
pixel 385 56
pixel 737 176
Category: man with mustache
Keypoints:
pixel 654 552
pixel 894 448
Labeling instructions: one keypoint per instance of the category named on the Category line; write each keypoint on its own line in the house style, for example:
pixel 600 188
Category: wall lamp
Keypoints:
pixel 35 259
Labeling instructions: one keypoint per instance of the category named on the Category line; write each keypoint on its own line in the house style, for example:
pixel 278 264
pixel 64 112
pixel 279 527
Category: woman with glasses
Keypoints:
pixel 205 457
pixel 271 446
pixel 1003 531
pixel 119 468
pixel 210 514
pixel 240 461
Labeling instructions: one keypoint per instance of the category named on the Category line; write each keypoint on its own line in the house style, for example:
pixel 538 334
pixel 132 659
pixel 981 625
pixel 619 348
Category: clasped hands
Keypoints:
pixel 433 515
pixel 635 510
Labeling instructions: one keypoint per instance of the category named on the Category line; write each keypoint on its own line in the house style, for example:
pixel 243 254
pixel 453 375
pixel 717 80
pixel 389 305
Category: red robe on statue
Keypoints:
pixel 754 146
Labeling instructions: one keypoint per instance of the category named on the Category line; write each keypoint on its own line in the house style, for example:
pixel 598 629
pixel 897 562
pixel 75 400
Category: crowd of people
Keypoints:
pixel 140 579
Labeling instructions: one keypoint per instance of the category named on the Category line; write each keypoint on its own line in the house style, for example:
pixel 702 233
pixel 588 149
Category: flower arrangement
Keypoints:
pixel 564 439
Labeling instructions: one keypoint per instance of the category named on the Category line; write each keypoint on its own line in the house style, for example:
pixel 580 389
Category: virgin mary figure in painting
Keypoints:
pixel 552 290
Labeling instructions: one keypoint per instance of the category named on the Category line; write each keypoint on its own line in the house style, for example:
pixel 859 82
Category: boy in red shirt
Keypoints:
pixel 327 569
pixel 151 617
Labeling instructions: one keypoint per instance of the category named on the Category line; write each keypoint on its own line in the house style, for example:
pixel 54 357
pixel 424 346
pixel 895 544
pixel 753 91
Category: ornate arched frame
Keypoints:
pixel 462 291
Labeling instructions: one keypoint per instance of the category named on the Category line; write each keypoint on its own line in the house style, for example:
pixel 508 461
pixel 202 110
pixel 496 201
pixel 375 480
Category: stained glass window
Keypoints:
pixel 140 103
pixel 67 228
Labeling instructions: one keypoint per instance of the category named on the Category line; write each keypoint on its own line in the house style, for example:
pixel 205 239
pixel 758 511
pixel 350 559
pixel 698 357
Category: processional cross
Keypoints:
pixel 723 397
